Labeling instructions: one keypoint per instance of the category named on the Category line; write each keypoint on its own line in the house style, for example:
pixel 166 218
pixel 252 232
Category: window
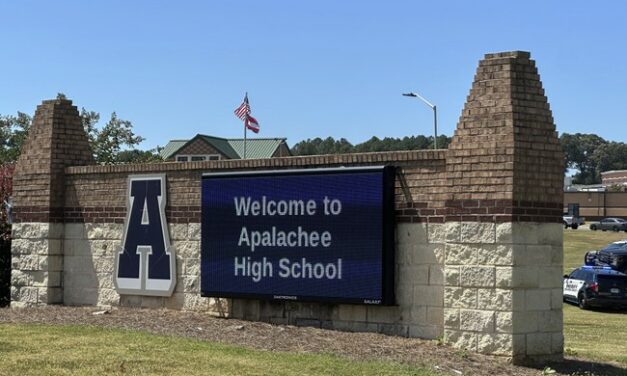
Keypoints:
pixel 198 157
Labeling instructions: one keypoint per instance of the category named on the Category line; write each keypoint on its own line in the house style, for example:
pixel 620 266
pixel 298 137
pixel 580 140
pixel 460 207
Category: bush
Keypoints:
pixel 6 180
pixel 5 272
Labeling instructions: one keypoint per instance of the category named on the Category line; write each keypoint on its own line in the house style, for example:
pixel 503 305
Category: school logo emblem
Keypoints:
pixel 146 264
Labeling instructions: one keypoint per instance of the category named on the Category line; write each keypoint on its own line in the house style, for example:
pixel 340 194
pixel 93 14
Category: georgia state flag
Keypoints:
pixel 252 124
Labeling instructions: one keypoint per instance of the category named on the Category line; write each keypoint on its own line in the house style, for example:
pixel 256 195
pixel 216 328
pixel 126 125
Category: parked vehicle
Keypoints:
pixel 612 224
pixel 614 256
pixel 572 221
pixel 596 286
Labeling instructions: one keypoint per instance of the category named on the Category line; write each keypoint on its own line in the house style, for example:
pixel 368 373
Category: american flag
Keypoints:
pixel 243 110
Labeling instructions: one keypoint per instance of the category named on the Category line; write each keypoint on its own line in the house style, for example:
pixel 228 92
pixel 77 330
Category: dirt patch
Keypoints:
pixel 262 336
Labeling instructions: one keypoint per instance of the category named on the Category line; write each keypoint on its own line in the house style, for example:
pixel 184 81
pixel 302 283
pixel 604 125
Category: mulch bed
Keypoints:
pixel 262 336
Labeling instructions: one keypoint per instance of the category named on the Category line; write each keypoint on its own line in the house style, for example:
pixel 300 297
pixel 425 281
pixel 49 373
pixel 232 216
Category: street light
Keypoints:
pixel 435 115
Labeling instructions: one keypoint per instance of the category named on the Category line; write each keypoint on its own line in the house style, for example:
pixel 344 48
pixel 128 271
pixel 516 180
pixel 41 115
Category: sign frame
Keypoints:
pixel 387 252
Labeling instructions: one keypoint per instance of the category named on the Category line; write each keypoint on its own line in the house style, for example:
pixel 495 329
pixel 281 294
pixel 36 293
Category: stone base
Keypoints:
pixel 36 264
pixel 503 296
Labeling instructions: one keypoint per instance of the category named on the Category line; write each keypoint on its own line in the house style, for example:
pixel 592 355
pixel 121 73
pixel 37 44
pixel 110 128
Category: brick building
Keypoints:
pixel 600 200
pixel 210 148
pixel 618 177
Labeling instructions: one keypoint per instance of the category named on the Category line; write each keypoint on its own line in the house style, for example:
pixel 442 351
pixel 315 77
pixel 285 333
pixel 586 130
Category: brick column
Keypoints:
pixel 55 140
pixel 504 255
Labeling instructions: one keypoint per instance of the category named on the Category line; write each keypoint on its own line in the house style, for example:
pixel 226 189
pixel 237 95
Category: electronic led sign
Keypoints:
pixel 305 235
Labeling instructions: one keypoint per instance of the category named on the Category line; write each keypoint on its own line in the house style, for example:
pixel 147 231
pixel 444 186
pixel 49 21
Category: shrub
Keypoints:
pixel 6 185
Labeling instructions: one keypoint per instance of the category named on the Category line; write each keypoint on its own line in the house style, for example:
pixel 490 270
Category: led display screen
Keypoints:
pixel 307 235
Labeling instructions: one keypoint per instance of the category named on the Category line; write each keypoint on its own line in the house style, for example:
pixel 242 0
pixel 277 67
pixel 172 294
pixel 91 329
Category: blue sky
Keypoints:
pixel 311 68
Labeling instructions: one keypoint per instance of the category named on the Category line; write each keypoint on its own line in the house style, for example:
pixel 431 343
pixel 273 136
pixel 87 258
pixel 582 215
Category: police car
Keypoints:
pixel 614 256
pixel 596 286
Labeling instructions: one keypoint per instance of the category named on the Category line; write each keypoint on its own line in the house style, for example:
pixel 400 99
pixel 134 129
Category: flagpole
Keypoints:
pixel 245 139
pixel 245 132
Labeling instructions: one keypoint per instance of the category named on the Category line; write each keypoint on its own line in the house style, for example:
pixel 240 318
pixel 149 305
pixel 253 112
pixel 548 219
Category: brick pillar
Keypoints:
pixel 55 140
pixel 503 265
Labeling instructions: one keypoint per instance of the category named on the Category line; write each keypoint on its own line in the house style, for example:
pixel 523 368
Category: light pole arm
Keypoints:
pixel 435 115
pixel 426 101
pixel 416 95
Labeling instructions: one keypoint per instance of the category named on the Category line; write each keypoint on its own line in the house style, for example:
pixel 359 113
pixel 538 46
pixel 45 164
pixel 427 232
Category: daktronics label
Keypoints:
pixel 313 235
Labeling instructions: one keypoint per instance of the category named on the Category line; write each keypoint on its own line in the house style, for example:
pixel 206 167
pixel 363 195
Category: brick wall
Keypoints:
pixel 614 177
pixel 505 161
pixel 98 193
pixel 56 140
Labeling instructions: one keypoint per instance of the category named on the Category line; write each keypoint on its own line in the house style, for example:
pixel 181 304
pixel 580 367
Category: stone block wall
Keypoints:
pixel 503 290
pixel 478 226
pixel 89 260
pixel 37 264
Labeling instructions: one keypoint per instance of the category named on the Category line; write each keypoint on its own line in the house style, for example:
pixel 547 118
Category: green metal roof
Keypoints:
pixel 222 144
pixel 171 148
pixel 256 148
pixel 233 148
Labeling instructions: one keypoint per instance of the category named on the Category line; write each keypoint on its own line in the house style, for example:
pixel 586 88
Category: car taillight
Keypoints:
pixel 594 287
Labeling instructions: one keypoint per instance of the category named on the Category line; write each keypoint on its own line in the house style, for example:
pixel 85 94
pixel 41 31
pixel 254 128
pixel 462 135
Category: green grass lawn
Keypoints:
pixel 83 350
pixel 596 335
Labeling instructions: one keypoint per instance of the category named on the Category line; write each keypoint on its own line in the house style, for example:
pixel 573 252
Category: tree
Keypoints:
pixel 108 142
pixel 329 145
pixel 318 146
pixel 89 120
pixel 579 149
pixel 13 131
pixel 609 156
pixel 443 141
pixel 139 156
pixel 373 144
